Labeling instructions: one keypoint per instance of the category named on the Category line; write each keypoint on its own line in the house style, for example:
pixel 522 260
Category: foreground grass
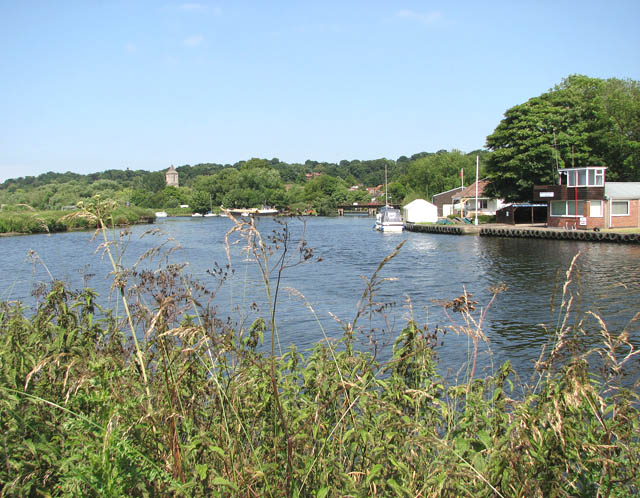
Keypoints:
pixel 199 406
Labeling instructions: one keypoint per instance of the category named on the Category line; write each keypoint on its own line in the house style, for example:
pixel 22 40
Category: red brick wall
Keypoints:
pixel 571 221
pixel 632 220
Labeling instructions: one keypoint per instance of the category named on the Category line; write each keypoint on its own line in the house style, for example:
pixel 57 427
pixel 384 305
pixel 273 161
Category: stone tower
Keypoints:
pixel 171 177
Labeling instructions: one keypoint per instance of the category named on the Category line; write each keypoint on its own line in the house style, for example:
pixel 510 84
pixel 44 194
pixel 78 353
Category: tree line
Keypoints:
pixel 582 121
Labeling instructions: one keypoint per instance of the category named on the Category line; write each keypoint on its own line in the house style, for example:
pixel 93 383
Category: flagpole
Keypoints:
pixel 477 171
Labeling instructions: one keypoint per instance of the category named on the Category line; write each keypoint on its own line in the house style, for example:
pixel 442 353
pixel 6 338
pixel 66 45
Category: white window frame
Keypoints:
pixel 566 209
pixel 593 204
pixel 619 202
pixel 574 180
pixel 483 203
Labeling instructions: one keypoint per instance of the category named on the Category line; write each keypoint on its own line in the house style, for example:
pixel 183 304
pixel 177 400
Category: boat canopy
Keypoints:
pixel 390 214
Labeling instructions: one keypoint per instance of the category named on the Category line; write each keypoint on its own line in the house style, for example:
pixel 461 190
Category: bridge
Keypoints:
pixel 370 209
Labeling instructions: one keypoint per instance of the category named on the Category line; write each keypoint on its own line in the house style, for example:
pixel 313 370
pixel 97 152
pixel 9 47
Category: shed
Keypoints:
pixel 420 211
pixel 522 213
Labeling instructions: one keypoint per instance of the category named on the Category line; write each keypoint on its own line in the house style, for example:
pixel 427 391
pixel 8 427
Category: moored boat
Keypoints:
pixel 389 219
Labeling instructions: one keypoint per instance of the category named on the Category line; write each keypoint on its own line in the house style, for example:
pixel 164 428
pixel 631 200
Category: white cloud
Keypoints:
pixel 422 17
pixel 193 41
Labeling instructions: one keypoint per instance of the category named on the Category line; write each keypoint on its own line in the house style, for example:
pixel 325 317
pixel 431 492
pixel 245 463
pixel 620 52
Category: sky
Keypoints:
pixel 87 86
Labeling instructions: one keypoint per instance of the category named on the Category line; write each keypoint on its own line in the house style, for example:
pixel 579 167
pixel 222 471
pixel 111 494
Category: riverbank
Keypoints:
pixel 528 231
pixel 24 222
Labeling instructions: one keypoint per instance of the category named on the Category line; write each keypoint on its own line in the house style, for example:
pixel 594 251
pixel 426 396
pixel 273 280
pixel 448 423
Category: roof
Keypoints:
pixel 622 190
pixel 418 203
pixel 470 191
pixel 448 191
pixel 564 170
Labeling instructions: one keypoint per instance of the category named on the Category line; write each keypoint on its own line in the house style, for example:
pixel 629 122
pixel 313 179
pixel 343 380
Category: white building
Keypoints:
pixel 420 211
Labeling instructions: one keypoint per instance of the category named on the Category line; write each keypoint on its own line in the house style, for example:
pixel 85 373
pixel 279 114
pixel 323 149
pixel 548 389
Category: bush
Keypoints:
pixel 29 221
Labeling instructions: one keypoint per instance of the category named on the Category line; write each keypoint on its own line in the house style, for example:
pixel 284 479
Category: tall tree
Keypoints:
pixel 573 124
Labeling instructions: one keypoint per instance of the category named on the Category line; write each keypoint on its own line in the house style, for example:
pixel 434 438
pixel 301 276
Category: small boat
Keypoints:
pixel 267 211
pixel 196 215
pixel 389 219
pixel 209 215
pixel 161 214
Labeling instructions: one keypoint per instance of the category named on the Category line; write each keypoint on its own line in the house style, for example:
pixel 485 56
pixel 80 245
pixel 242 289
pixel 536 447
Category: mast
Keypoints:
pixel 477 171
pixel 386 201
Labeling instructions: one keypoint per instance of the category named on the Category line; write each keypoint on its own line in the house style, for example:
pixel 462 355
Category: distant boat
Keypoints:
pixel 196 215
pixel 161 214
pixel 267 211
pixel 388 219
pixel 263 211
pixel 209 215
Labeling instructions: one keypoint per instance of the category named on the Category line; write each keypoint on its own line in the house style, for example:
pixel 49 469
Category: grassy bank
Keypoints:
pixel 196 405
pixel 27 221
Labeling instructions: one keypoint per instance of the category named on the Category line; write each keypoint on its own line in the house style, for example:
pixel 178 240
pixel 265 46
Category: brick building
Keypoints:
pixel 585 200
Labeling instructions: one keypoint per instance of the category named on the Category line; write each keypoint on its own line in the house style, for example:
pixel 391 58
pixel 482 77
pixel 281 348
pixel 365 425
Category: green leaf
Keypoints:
pixel 221 481
pixel 375 470
pixel 484 437
pixel 218 450
pixel 201 469
pixel 322 493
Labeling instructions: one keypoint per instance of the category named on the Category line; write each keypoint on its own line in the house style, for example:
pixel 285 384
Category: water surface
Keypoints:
pixel 429 269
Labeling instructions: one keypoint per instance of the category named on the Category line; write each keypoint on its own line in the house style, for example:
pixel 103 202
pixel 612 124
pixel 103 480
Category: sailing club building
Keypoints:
pixel 583 199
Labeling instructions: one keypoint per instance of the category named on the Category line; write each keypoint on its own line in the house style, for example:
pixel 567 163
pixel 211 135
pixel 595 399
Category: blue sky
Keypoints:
pixel 88 86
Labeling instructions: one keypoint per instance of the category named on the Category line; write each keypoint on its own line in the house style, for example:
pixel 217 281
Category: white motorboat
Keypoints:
pixel 389 219
pixel 267 211
pixel 161 214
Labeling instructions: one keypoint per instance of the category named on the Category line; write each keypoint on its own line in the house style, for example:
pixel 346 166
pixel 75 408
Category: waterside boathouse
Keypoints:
pixel 583 199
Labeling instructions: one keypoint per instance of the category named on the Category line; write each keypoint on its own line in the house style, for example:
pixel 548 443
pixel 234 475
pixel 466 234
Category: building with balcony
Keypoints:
pixel 583 199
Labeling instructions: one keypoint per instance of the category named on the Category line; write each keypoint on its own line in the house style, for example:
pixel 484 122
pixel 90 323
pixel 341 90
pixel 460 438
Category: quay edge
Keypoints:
pixel 526 232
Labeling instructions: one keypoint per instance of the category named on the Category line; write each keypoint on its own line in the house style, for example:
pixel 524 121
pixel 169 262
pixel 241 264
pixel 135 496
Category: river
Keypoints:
pixel 429 269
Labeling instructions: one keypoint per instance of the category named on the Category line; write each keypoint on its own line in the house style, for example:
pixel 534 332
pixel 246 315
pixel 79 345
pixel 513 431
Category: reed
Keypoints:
pixel 25 220
pixel 171 398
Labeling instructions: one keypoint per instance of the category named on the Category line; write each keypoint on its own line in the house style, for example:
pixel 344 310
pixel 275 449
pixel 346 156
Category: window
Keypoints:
pixel 595 209
pixel 596 177
pixel 558 208
pixel 567 208
pixel 587 177
pixel 471 204
pixel 619 208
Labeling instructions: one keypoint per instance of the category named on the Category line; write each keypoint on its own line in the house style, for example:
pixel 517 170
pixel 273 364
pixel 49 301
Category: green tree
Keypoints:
pixel 434 173
pixel 200 201
pixel 619 137
pixel 581 122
